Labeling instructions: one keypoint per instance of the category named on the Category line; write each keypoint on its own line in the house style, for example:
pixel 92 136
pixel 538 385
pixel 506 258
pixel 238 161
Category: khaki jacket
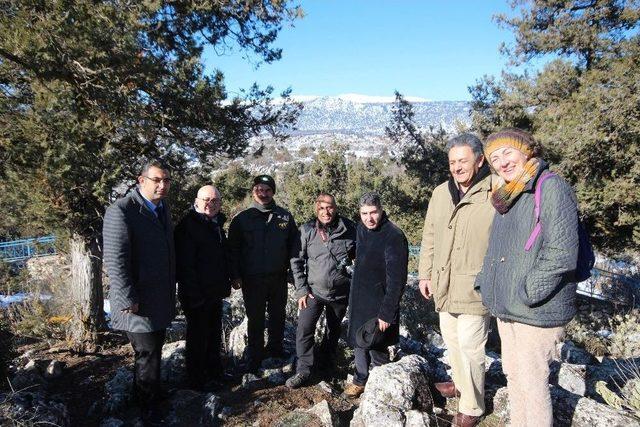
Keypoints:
pixel 454 243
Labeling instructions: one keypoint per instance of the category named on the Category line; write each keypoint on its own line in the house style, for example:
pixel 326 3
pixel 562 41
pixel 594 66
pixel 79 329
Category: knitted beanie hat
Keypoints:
pixel 517 138
pixel 266 180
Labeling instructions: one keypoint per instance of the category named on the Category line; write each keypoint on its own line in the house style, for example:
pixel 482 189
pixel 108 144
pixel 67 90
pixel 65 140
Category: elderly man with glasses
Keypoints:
pixel 203 281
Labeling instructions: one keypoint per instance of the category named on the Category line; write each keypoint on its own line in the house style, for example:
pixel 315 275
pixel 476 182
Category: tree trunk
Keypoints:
pixel 86 292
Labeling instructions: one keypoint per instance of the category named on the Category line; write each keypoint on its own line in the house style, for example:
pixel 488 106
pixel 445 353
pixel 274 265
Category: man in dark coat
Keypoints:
pixel 203 281
pixel 321 274
pixel 261 243
pixel 379 279
pixel 140 261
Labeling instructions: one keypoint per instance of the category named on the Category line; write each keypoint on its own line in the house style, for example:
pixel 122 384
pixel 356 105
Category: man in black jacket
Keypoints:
pixel 203 278
pixel 321 274
pixel 261 242
pixel 379 279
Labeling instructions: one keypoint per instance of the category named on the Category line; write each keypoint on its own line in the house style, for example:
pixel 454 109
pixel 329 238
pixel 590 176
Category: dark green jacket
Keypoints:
pixel 261 243
pixel 317 267
pixel 533 287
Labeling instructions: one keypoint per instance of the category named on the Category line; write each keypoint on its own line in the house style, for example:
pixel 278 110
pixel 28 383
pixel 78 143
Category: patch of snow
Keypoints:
pixel 7 300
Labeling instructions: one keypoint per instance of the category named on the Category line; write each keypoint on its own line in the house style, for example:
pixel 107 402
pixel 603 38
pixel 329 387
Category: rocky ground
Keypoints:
pixel 49 383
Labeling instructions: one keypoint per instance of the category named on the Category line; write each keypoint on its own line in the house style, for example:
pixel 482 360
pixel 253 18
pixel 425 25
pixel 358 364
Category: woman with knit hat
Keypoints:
pixel 525 280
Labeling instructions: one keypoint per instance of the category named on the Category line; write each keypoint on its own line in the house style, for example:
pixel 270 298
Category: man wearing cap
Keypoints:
pixel 379 279
pixel 321 273
pixel 261 242
pixel 454 242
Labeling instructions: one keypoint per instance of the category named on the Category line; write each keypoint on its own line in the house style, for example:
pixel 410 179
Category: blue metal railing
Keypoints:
pixel 23 249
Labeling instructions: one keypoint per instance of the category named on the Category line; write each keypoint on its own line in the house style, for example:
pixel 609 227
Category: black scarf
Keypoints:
pixel 454 190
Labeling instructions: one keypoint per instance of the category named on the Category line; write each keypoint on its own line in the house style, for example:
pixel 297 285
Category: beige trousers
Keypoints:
pixel 466 336
pixel 526 353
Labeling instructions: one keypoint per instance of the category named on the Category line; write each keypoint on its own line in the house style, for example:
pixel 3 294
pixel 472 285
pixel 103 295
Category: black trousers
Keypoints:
pixel 262 293
pixel 363 359
pixel 305 333
pixel 204 338
pixel 147 348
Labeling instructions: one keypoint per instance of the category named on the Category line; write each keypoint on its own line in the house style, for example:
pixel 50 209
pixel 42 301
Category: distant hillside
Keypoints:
pixel 353 121
pixel 370 115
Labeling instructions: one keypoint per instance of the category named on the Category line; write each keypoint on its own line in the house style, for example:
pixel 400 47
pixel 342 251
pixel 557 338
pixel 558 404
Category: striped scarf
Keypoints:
pixel 504 197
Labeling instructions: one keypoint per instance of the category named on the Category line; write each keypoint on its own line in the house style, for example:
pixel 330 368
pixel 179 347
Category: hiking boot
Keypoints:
pixel 447 389
pixel 297 380
pixel 353 391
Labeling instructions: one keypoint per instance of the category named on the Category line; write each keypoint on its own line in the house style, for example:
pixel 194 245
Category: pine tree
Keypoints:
pixel 583 105
pixel 90 88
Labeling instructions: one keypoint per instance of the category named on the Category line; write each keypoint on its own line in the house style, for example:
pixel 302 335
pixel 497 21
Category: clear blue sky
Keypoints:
pixel 432 49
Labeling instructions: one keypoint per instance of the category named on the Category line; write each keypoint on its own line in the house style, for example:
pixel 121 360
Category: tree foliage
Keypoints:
pixel 422 153
pixel 347 181
pixel 90 88
pixel 583 105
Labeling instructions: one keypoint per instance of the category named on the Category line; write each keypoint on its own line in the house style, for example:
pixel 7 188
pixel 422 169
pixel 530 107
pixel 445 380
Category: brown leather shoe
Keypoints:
pixel 464 420
pixel 353 391
pixel 448 389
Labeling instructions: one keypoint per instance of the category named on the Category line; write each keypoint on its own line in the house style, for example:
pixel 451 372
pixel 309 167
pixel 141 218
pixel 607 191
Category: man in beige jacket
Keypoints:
pixel 454 242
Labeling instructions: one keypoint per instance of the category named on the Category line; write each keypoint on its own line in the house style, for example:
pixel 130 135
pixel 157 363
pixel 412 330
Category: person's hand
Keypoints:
pixel 131 310
pixel 425 288
pixel 302 301
pixel 236 283
pixel 382 325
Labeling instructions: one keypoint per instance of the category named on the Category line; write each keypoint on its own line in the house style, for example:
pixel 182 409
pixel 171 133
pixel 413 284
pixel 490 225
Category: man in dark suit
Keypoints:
pixel 140 261
pixel 203 281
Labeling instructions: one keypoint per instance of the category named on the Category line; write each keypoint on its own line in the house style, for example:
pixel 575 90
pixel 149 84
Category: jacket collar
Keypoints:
pixel 144 209
pixel 220 218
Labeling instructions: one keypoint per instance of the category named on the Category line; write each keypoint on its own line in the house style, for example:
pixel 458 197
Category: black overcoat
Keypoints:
pixel 201 259
pixel 379 278
pixel 139 257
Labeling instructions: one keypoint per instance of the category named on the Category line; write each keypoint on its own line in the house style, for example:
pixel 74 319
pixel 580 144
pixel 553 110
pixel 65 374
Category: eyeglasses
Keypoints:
pixel 207 201
pixel 159 180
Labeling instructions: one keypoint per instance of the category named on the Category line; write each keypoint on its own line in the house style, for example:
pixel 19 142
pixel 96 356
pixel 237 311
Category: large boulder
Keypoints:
pixel 571 410
pixel 237 344
pixel 392 391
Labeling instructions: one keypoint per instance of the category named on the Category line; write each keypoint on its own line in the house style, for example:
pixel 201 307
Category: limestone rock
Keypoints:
pixel 394 389
pixel 118 390
pixel 323 411
pixel 571 354
pixel 177 331
pixel 27 408
pixel 173 369
pixel 212 409
pixel 54 369
pixel 571 410
pixel 112 422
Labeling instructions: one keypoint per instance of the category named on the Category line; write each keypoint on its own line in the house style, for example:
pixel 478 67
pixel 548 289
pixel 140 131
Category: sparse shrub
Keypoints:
pixel 628 384
pixel 625 341
pixel 584 333
pixel 11 279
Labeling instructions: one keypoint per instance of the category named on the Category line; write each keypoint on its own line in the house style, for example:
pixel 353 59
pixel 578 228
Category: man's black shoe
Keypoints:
pixel 296 381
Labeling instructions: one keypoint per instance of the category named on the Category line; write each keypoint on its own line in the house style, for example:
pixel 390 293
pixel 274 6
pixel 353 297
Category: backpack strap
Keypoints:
pixel 537 195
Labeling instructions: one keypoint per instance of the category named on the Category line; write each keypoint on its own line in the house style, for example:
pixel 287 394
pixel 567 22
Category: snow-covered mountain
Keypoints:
pixel 354 122
pixel 368 115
